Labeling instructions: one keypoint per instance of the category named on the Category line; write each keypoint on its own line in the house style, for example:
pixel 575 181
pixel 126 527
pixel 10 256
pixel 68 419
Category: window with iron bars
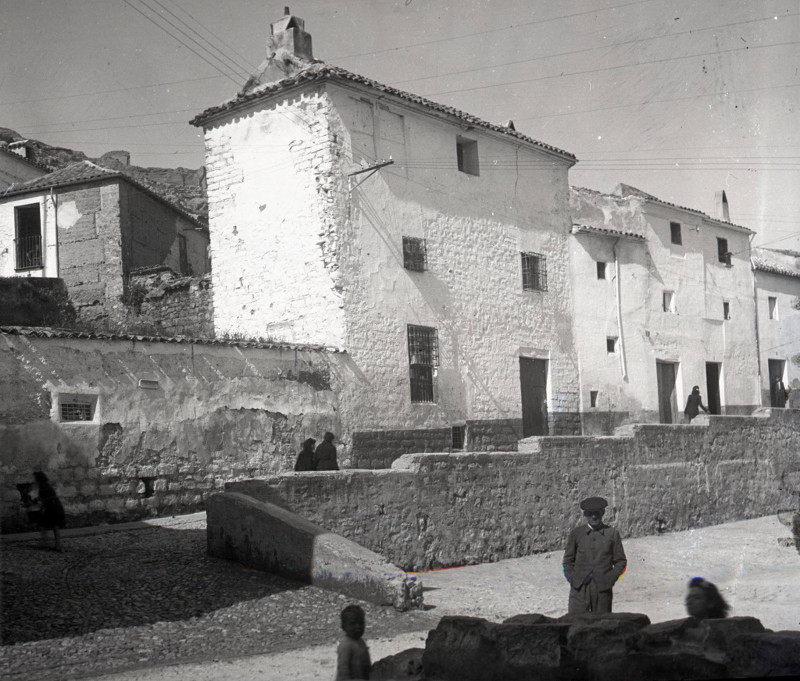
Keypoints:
pixel 534 272
pixel 423 357
pixel 28 225
pixel 458 433
pixel 76 411
pixel 414 254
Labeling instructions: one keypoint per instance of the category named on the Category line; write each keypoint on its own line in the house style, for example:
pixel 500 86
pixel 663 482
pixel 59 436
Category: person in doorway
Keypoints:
pixel 352 655
pixel 778 393
pixel 704 601
pixel 694 404
pixel 593 561
pixel 51 516
pixel 305 459
pixel 325 455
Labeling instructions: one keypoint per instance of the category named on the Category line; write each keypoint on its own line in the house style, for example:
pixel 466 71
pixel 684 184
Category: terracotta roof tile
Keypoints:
pixel 321 71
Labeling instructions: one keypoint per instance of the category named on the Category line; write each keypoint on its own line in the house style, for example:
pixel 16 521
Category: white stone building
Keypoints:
pixel 777 281
pixel 663 301
pixel 428 244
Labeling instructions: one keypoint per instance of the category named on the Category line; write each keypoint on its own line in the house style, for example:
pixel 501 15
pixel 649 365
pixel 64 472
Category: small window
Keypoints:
pixel 76 408
pixel 534 272
pixel 675 232
pixel 668 302
pixel 423 356
pixel 414 254
pixel 593 397
pixel 726 310
pixel 458 437
pixel 28 224
pixel 723 254
pixel 467 155
pixel 601 270
pixel 611 344
pixel 773 307
pixel 183 255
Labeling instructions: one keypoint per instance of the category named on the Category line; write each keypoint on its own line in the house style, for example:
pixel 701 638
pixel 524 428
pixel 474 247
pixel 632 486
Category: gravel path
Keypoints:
pixel 153 596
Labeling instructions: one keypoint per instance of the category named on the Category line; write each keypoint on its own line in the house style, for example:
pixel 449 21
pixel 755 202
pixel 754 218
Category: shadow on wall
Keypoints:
pixel 121 579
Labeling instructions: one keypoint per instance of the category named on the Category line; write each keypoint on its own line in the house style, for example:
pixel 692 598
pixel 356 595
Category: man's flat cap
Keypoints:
pixel 594 504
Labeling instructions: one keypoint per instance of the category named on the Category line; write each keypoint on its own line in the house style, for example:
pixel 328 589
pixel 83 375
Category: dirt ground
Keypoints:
pixel 753 562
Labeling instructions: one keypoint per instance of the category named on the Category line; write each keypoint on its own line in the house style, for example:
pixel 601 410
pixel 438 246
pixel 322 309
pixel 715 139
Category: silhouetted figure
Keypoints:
pixel 352 656
pixel 325 455
pixel 778 393
pixel 593 560
pixel 52 512
pixel 694 404
pixel 794 395
pixel 704 601
pixel 305 459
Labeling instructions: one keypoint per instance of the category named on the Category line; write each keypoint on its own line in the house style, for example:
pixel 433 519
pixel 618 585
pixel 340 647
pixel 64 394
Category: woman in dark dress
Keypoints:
pixel 305 459
pixel 52 513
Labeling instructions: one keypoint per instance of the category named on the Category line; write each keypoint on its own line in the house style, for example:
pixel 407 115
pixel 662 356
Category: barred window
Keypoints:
pixel 534 272
pixel 414 254
pixel 28 232
pixel 458 437
pixel 76 411
pixel 423 356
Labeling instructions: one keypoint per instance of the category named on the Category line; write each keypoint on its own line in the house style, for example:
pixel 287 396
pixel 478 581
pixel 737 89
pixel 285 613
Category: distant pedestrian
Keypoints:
pixel 704 601
pixel 352 656
pixel 325 455
pixel 593 561
pixel 694 404
pixel 51 516
pixel 778 393
pixel 305 459
pixel 794 395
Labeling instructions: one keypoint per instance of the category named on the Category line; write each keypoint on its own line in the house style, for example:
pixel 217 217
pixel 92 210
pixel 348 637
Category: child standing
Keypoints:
pixel 352 656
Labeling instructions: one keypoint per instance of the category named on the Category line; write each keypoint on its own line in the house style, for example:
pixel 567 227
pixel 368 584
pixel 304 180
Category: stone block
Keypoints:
pixel 662 635
pixel 267 537
pixel 97 505
pixel 405 665
pixel 765 654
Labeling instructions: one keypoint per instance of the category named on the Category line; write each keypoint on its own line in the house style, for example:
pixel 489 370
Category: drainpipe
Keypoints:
pixel 55 223
pixel 755 316
pixel 618 289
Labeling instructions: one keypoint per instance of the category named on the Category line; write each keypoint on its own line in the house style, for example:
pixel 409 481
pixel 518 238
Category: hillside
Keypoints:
pixel 183 186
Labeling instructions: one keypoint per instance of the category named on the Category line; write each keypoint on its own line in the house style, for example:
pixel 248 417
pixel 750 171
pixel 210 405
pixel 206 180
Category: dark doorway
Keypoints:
pixel 713 370
pixel 667 404
pixel 776 369
pixel 533 381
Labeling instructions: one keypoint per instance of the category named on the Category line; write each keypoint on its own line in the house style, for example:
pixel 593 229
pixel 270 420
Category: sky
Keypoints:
pixel 680 98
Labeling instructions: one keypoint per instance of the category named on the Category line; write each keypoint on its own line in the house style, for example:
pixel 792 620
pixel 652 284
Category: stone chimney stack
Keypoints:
pixel 288 34
pixel 721 206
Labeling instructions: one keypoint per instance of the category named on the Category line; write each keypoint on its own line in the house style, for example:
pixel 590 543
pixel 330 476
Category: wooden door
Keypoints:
pixel 533 382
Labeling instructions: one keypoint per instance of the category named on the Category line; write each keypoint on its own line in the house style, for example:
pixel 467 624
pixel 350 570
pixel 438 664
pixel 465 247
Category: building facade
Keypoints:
pixel 663 299
pixel 93 228
pixel 430 245
pixel 777 283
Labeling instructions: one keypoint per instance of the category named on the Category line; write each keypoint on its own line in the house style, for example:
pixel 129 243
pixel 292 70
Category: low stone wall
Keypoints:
pixel 598 648
pixel 434 510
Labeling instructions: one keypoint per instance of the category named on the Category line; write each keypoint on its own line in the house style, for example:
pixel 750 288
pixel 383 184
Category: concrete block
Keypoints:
pixel 264 536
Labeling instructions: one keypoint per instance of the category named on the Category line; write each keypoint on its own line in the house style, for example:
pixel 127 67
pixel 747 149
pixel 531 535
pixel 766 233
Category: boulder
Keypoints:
pixel 765 654
pixel 266 537
pixel 406 666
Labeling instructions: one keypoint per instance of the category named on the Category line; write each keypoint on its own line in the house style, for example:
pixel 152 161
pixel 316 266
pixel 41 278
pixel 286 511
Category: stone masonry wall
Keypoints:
pixel 169 422
pixel 434 510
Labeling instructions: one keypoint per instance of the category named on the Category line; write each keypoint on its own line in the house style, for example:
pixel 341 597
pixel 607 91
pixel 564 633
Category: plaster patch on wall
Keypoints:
pixel 67 215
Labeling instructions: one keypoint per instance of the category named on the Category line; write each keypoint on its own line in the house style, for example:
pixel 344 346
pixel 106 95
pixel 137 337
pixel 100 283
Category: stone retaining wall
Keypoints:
pixel 434 510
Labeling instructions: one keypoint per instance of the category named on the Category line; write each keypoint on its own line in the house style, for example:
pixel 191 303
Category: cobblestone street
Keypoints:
pixel 153 596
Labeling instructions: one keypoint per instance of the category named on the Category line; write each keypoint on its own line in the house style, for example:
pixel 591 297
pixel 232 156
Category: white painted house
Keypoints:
pixel 663 301
pixel 428 244
pixel 777 281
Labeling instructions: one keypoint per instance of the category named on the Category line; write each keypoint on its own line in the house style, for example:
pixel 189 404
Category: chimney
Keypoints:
pixel 721 206
pixel 288 33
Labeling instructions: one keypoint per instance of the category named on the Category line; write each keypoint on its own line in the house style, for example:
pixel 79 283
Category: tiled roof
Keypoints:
pixel 84 172
pixel 321 71
pixel 627 190
pixel 764 261
pixel 606 231
pixel 42 332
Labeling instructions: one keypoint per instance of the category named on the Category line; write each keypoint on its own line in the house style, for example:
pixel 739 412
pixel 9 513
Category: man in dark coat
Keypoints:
pixel 593 560
pixel 325 455
pixel 694 404
pixel 305 459
pixel 778 393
